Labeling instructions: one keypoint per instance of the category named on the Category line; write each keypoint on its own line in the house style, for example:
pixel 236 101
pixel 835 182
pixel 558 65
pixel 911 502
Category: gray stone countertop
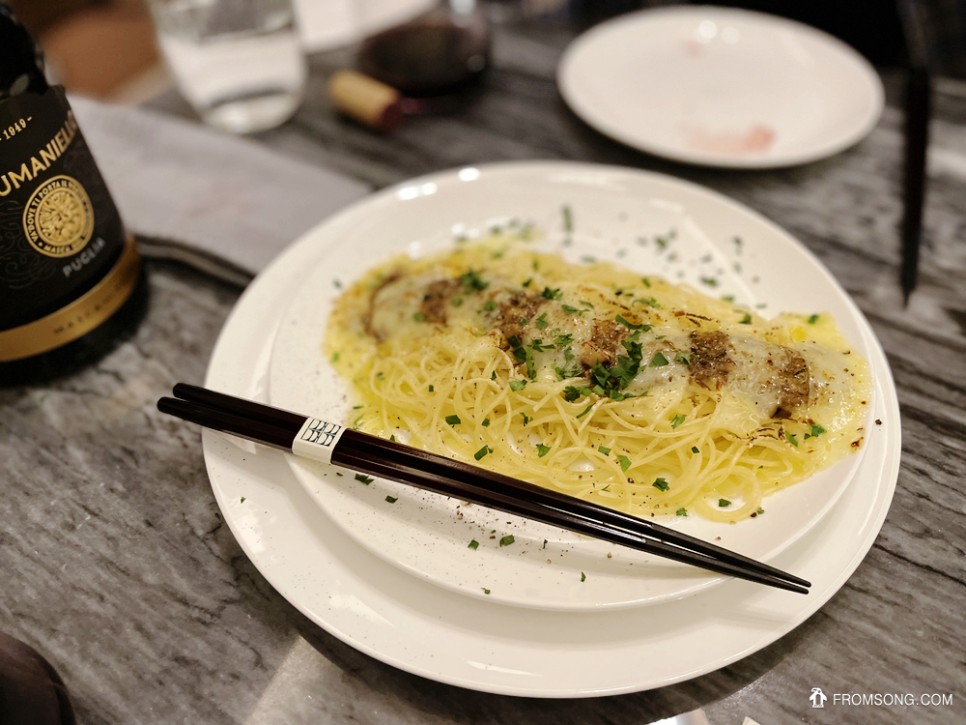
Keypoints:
pixel 116 564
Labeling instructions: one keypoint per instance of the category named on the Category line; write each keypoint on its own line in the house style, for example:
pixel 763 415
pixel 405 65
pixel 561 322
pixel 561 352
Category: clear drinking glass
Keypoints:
pixel 239 63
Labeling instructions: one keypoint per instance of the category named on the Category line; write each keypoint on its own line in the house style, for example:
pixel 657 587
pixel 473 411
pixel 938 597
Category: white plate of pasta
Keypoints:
pixel 614 333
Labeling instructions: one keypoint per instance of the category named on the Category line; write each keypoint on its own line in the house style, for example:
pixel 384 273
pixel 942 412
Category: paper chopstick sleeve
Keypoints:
pixel 316 439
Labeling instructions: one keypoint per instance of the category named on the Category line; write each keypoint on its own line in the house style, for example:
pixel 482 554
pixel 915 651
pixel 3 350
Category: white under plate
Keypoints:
pixel 475 643
pixel 721 87
pixel 616 214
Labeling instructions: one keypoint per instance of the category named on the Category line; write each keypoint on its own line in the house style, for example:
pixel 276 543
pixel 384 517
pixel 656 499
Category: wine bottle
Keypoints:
pixel 71 279
pixel 17 72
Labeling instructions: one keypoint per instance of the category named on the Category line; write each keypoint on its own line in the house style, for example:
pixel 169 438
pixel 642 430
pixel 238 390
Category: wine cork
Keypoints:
pixel 365 99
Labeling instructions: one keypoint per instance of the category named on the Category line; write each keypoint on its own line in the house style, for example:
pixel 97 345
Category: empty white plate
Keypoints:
pixel 721 87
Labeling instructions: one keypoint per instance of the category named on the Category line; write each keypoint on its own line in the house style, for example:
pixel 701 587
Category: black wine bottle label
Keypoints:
pixel 65 262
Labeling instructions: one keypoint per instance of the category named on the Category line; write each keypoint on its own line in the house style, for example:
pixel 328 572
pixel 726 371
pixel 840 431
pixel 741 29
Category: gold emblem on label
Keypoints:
pixel 59 219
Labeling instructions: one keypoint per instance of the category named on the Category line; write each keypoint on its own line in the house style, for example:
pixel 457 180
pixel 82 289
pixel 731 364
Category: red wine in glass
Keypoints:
pixel 439 53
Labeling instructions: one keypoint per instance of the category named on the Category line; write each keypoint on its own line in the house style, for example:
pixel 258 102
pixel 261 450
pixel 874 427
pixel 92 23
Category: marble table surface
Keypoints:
pixel 116 563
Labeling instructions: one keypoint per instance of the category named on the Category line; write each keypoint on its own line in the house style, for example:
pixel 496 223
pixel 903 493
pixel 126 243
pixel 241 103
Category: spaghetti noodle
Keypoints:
pixel 595 381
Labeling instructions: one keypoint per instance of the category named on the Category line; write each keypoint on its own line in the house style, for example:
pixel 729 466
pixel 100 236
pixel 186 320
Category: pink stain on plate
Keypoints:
pixel 757 138
pixel 693 48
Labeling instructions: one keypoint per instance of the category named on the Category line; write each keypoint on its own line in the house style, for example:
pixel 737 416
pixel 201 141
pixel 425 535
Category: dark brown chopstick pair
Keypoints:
pixel 917 106
pixel 375 456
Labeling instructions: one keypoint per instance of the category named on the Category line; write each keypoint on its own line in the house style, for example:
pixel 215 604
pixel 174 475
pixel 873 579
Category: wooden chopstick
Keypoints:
pixel 918 95
pixel 917 106
pixel 392 460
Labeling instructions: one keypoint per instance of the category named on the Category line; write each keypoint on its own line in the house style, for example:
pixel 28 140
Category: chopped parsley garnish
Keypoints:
pixel 604 450
pixel 624 461
pixel 618 376
pixel 472 281
pixel 695 449
pixel 585 411
pixel 583 577
pixel 658 360
pixel 486 591
pixel 526 418
pixel 474 544
pixel 542 450
pixel 568 218
pixel 522 355
pixel 681 512
pixel 565 374
pixel 792 439
pixel 563 340
pixel 486 423
pixel 364 478
pixel 506 540
pixel 453 419
pixel 723 503
pixel 431 388
pixel 661 484
pixel 662 241
pixel 551 294
pixel 816 431
pixel 391 499
pixel 541 322
pixel 482 452
pixel 571 310
pixel 419 317
pixel 242 500
pixel 710 281
pixel 517 385
pixel 678 420
pixel 746 320
pixel 682 357
pixel 812 319
pixel 573 392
